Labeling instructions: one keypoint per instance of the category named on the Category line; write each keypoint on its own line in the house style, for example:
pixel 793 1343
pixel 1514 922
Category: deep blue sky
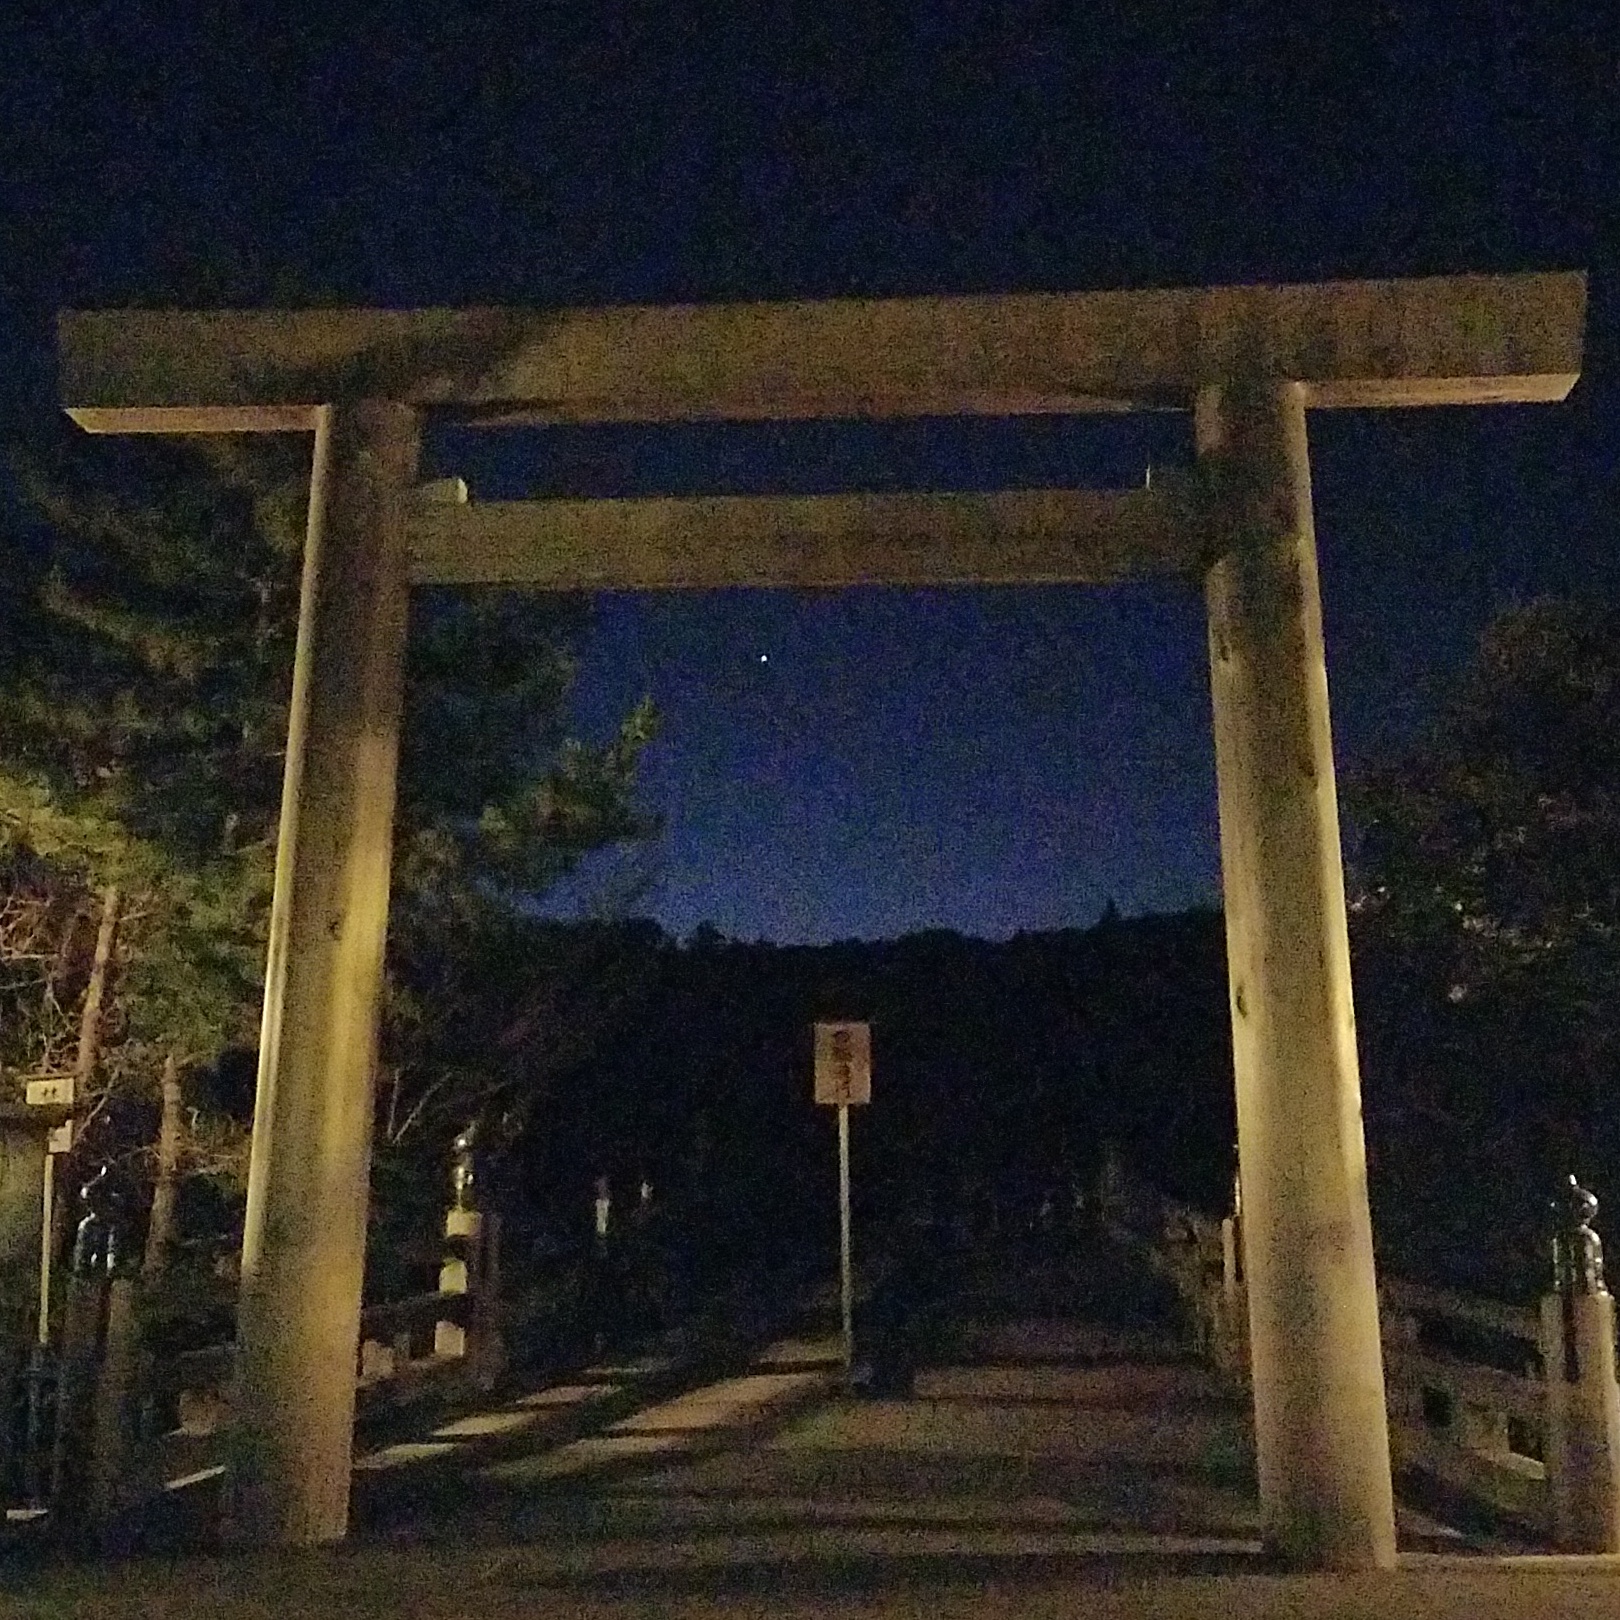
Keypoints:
pixel 987 761
pixel 1006 759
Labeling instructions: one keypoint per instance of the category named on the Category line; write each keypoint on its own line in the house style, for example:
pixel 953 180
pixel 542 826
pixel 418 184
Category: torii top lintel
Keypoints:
pixel 1441 340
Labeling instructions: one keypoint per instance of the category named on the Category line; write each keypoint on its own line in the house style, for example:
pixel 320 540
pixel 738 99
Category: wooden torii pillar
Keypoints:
pixel 1248 362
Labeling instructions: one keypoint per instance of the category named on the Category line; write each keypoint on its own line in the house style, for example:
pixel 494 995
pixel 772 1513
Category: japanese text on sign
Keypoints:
pixel 843 1064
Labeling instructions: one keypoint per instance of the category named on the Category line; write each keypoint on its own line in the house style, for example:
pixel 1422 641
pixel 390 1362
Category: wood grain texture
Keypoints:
pixel 1433 340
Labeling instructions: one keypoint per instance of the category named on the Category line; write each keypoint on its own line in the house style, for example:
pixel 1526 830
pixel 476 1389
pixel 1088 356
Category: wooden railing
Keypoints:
pixel 1467 1398
pixel 1464 1378
pixel 401 1354
pixel 408 1348
pixel 109 1425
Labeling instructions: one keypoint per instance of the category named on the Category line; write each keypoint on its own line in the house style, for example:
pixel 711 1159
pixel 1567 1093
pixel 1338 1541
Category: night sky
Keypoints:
pixel 874 762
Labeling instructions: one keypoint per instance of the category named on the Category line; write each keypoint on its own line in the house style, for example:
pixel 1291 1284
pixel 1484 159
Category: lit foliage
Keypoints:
pixel 148 609
pixel 144 611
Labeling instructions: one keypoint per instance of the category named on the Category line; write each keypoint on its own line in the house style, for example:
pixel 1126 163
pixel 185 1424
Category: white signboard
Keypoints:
pixel 54 1093
pixel 843 1064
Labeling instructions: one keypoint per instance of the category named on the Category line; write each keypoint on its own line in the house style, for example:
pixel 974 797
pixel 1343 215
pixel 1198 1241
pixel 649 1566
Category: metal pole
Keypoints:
pixel 846 1280
pixel 47 1216
pixel 41 1374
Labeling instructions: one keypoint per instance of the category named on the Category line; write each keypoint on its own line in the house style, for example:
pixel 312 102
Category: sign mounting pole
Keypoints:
pixel 47 1220
pixel 846 1278
pixel 843 1077
pixel 54 1092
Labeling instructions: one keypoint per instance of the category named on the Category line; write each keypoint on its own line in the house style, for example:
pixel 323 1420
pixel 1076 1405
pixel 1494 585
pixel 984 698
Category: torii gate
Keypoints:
pixel 1248 361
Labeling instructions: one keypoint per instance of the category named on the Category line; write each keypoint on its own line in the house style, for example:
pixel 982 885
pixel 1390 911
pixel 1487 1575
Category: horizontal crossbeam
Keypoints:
pixel 1018 536
pixel 1445 340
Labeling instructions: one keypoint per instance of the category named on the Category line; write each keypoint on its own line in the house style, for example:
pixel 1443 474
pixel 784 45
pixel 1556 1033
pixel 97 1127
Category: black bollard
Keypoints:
pixel 83 1324
pixel 39 1425
pixel 112 1408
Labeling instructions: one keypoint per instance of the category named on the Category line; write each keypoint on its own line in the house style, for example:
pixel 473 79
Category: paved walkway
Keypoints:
pixel 1067 1474
pixel 369 1583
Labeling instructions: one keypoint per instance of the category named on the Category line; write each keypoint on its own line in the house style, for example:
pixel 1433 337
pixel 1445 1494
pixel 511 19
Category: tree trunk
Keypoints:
pixel 154 1259
pixel 95 993
pixel 62 963
pixel 89 1052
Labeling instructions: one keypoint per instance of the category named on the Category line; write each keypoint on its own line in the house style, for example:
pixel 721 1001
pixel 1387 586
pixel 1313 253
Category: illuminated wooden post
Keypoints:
pixel 1583 1400
pixel 303 1251
pixel 1320 1428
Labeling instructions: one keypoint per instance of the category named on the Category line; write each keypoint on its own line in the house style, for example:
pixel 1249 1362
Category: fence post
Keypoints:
pixel 486 1357
pixel 471 1237
pixel 1583 1400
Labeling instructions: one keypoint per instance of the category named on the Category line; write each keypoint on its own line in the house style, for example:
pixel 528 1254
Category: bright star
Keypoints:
pixel 764 658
